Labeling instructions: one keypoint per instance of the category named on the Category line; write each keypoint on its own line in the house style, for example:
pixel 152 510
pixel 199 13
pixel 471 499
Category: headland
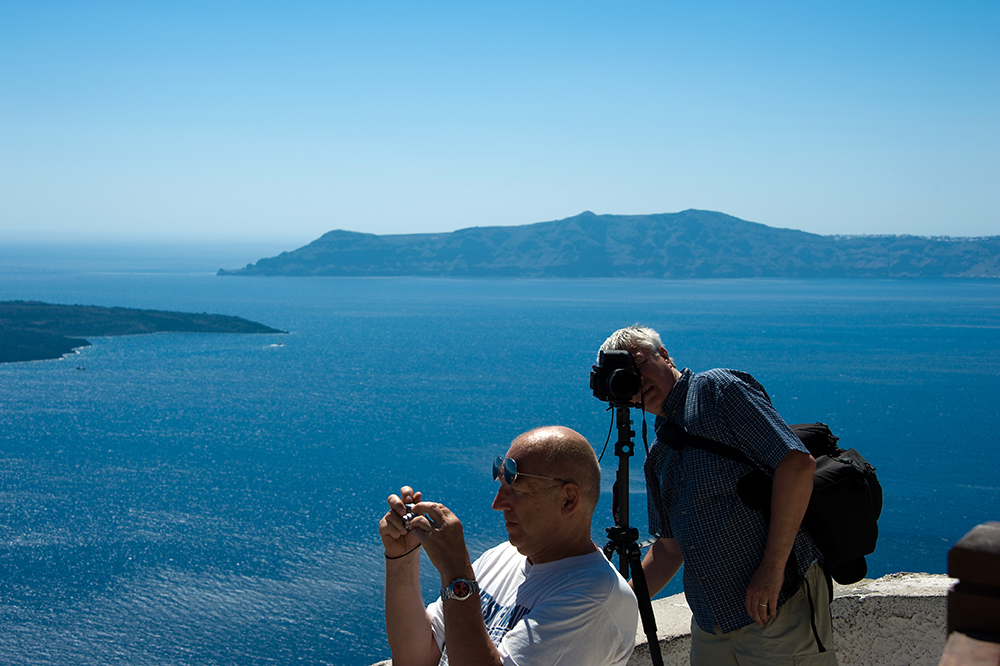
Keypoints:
pixel 33 331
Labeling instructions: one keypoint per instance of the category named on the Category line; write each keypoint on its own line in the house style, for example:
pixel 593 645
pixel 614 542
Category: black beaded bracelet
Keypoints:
pixel 399 557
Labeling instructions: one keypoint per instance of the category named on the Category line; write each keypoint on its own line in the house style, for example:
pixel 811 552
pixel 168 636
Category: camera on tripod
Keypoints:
pixel 615 378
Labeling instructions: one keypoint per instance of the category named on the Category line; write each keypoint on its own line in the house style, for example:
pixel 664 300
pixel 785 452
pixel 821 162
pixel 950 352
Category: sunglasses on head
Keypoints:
pixel 508 468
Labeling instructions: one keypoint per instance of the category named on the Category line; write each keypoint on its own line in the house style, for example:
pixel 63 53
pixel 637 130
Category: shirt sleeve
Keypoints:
pixel 659 523
pixel 757 428
pixel 435 613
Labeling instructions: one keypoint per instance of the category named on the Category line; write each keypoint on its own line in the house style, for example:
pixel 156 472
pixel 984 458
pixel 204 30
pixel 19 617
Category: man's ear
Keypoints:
pixel 571 497
pixel 662 351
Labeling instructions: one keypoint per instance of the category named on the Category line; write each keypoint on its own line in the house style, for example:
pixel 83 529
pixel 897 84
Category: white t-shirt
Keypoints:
pixel 577 611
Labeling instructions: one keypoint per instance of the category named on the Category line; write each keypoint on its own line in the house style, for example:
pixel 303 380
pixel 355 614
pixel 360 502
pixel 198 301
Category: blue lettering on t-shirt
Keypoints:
pixel 500 619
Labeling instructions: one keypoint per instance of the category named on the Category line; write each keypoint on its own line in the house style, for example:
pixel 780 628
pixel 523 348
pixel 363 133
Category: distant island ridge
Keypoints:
pixel 689 244
pixel 34 331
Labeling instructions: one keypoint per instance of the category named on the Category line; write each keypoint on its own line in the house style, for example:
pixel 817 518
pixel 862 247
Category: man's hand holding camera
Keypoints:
pixel 411 523
pixel 397 537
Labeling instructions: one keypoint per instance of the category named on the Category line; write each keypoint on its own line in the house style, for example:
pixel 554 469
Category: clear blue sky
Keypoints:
pixel 280 121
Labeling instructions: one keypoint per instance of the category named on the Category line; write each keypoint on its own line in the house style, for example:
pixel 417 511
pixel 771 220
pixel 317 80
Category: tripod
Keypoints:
pixel 623 539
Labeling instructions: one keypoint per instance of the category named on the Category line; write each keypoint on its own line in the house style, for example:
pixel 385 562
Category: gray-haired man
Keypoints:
pixel 754 584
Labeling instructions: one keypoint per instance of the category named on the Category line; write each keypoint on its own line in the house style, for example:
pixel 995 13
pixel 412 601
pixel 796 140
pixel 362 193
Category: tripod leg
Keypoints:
pixel 645 604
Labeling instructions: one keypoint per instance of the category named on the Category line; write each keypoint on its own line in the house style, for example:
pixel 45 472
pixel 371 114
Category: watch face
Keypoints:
pixel 461 589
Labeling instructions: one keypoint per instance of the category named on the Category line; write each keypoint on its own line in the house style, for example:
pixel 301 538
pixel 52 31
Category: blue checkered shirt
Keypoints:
pixel 691 493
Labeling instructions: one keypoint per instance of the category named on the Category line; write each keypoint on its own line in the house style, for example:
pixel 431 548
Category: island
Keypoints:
pixel 34 331
pixel 688 244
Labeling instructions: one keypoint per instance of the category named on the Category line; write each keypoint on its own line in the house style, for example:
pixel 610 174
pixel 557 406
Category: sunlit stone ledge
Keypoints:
pixel 899 619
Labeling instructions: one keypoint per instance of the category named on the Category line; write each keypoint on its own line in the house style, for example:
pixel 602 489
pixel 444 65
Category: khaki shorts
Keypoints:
pixel 786 640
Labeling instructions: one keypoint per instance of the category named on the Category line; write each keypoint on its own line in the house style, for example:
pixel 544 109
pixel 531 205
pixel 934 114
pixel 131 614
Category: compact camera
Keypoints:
pixel 408 517
pixel 615 378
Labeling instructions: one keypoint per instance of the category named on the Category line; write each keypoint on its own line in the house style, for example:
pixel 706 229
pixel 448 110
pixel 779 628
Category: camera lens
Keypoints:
pixel 623 384
pixel 615 378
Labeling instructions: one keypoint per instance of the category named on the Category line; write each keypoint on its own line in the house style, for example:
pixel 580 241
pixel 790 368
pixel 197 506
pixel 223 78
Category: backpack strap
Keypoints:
pixel 816 437
pixel 754 487
pixel 679 437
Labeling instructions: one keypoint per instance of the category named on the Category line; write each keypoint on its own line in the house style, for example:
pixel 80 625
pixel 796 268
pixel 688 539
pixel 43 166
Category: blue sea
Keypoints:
pixel 214 499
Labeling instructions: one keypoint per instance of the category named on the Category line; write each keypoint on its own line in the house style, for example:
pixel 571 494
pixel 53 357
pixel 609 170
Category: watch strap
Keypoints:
pixel 460 589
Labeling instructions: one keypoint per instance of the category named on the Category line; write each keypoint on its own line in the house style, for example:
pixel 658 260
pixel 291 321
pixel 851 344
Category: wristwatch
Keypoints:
pixel 460 589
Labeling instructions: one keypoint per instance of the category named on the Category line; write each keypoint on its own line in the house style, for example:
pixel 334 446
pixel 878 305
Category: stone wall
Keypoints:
pixel 896 620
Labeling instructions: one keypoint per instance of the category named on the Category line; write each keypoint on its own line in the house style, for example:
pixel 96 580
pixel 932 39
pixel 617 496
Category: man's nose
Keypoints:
pixel 502 499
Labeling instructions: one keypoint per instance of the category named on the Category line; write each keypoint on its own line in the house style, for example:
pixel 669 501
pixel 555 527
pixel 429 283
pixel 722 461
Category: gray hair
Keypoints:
pixel 634 337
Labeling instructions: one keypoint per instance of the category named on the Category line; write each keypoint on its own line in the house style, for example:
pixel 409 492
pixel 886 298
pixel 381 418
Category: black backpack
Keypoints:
pixel 846 500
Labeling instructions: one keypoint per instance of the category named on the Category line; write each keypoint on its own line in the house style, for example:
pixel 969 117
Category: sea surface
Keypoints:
pixel 214 499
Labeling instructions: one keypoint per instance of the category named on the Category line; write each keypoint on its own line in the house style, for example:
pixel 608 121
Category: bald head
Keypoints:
pixel 565 454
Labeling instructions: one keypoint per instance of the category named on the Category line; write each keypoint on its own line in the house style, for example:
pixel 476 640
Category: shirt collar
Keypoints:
pixel 673 406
